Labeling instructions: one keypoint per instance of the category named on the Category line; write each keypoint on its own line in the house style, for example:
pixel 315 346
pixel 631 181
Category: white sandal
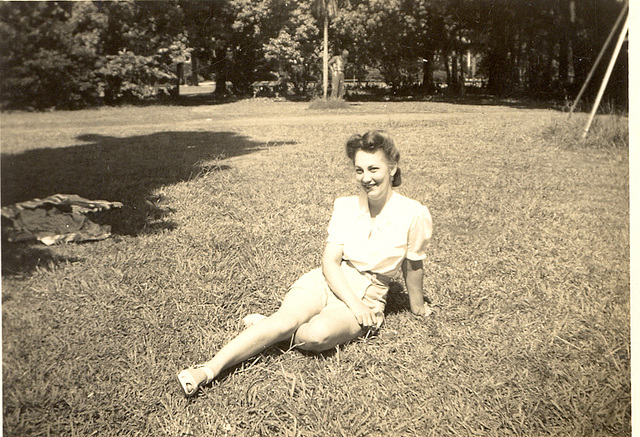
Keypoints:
pixel 189 384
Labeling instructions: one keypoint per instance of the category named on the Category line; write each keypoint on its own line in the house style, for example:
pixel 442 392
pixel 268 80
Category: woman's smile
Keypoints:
pixel 369 187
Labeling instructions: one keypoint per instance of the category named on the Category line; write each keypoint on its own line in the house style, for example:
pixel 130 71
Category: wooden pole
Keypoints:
pixel 623 34
pixel 595 64
pixel 325 57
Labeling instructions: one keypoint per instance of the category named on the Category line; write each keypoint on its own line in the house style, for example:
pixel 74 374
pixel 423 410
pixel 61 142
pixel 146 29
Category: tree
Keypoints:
pixel 293 52
pixel 544 48
pixel 384 32
pixel 228 37
pixel 256 22
pixel 74 54
pixel 324 10
pixel 143 46
pixel 50 54
pixel 430 34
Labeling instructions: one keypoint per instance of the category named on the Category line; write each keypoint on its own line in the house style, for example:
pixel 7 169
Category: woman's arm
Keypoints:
pixel 331 260
pixel 413 272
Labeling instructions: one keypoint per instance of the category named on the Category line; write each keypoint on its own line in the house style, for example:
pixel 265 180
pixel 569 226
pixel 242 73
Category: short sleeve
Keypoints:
pixel 419 235
pixel 337 225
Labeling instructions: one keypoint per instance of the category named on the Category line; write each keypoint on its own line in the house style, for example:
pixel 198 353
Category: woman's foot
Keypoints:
pixel 252 319
pixel 193 378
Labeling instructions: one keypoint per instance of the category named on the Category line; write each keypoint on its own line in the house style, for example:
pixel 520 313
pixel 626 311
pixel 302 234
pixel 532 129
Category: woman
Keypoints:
pixel 371 237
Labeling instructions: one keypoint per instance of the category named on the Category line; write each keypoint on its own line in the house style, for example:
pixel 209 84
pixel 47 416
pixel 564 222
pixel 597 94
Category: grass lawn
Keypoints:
pixel 225 206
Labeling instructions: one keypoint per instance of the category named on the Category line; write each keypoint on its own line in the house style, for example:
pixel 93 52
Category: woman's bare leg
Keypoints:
pixel 334 325
pixel 298 307
pixel 255 339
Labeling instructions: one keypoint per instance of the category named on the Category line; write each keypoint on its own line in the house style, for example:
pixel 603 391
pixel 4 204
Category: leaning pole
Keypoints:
pixel 599 57
pixel 612 62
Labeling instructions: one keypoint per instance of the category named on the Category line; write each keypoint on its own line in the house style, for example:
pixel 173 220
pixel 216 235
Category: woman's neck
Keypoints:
pixel 376 206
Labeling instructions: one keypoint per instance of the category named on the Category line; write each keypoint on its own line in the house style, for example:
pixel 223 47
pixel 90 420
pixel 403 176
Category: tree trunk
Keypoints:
pixel 564 55
pixel 566 45
pixel 461 82
pixel 427 72
pixel 454 79
pixel 548 72
pixel 194 69
pixel 221 71
pixel 325 58
pixel 447 70
pixel 221 85
pixel 514 61
pixel 499 63
pixel 179 79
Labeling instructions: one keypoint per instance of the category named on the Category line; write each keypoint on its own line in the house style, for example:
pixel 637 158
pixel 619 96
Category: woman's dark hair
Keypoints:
pixel 371 142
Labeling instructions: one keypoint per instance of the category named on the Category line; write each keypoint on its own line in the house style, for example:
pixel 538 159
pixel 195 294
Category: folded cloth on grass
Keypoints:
pixel 55 219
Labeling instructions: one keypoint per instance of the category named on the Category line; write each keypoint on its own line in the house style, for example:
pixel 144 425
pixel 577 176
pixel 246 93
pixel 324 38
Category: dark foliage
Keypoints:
pixel 77 54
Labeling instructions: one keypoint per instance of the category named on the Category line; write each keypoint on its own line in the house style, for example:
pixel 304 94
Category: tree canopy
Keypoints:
pixel 76 54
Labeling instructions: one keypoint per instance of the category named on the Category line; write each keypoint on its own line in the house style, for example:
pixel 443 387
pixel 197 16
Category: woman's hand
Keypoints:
pixel 422 310
pixel 365 316
pixel 331 259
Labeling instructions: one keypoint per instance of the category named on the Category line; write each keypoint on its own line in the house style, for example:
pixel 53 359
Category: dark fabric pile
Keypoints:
pixel 58 218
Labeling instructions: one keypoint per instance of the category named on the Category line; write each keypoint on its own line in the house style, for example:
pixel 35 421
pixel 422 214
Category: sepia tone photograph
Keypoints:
pixel 316 218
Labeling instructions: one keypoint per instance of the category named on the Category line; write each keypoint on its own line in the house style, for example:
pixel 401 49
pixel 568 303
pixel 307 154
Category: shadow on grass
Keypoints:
pixel 20 259
pixel 355 98
pixel 199 100
pixel 398 299
pixel 470 99
pixel 127 170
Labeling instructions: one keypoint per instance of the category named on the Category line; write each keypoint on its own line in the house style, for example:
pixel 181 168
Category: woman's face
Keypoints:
pixel 374 174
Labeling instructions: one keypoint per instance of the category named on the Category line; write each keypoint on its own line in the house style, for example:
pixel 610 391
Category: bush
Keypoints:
pixel 329 103
pixel 49 55
pixel 130 77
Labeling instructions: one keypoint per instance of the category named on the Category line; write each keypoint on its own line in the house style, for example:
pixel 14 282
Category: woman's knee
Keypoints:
pixel 286 323
pixel 320 335
pixel 312 339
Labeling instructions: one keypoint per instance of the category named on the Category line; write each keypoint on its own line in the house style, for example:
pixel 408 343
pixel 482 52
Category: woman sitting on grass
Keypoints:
pixel 371 237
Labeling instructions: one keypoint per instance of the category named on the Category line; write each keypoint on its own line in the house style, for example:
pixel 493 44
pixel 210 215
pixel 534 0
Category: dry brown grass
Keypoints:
pixel 528 272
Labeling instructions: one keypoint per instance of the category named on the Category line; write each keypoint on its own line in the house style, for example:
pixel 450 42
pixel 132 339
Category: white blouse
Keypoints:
pixel 401 230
